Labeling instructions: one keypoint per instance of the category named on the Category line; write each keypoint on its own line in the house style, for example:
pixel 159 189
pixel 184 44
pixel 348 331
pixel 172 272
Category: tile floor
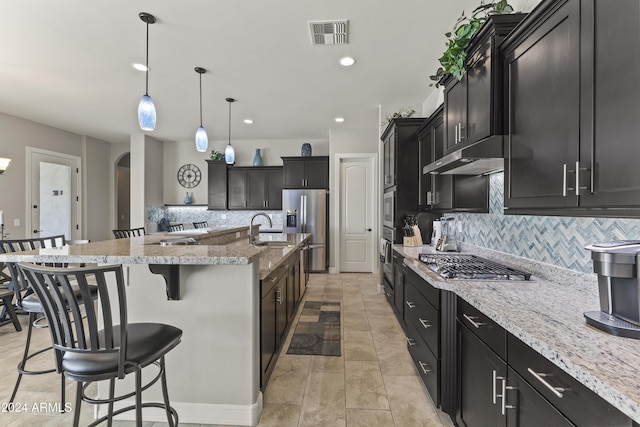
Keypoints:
pixel 374 382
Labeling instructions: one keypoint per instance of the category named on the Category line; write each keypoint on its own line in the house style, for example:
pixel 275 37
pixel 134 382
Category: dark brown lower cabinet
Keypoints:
pixel 503 382
pixel 480 370
pixel 281 294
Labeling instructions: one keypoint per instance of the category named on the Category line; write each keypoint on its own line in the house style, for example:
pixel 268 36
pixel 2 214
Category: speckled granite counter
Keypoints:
pixel 546 313
pixel 147 250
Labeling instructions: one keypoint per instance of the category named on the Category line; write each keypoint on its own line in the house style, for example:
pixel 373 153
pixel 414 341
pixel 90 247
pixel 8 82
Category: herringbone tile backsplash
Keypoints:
pixel 555 240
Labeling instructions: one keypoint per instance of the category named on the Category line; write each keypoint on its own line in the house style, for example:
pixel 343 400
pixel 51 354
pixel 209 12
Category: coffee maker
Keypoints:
pixel 617 265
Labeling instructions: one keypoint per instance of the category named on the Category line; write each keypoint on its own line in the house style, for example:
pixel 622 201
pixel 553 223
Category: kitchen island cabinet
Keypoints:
pixel 572 110
pixel 544 314
pixel 215 298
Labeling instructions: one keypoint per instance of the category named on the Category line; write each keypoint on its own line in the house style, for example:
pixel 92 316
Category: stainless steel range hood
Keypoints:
pixel 481 157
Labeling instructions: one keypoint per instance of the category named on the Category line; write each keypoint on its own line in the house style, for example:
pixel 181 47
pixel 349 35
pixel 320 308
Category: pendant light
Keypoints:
pixel 146 109
pixel 202 142
pixel 229 152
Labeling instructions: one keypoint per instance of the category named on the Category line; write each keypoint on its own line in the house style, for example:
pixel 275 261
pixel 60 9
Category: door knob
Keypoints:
pixel 37 231
pixel 368 229
pixel 35 206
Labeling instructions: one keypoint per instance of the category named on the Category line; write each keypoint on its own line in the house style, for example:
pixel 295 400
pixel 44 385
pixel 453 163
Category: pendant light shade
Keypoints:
pixel 146 109
pixel 202 141
pixel 229 152
pixel 147 113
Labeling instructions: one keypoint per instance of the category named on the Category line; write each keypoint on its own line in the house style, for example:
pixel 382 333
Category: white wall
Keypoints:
pixel 97 197
pixel 15 135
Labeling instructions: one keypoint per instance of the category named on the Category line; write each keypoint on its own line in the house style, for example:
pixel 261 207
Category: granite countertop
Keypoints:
pixel 546 313
pixel 147 250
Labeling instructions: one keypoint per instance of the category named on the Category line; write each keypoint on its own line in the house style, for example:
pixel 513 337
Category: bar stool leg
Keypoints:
pixel 139 398
pixel 76 413
pixel 112 386
pixel 165 394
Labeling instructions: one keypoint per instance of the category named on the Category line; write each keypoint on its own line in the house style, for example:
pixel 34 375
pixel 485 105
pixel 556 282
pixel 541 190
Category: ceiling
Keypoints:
pixel 67 64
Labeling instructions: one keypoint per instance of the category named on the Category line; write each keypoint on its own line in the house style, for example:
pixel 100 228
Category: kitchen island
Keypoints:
pixel 213 295
pixel 546 314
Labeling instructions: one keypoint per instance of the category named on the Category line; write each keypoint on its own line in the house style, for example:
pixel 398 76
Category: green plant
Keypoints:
pixel 453 58
pixel 405 112
pixel 217 155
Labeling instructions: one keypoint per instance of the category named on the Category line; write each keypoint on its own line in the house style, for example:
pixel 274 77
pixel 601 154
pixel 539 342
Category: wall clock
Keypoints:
pixel 189 175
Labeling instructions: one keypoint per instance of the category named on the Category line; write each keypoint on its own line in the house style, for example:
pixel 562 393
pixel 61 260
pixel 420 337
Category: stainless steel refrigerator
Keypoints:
pixel 307 211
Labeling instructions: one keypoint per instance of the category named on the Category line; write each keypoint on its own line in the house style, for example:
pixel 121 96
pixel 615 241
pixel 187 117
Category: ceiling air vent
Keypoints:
pixel 329 32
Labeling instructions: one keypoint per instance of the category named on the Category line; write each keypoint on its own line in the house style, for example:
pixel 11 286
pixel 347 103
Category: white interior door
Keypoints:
pixel 357 208
pixel 53 201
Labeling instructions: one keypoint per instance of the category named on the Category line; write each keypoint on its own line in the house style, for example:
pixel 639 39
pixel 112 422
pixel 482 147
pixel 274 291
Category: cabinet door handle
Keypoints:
pixel 425 323
pixel 505 387
pixel 564 180
pixel 460 133
pixel 425 367
pixel 410 304
pixel 494 379
pixel 578 170
pixel 555 390
pixel 455 138
pixel 411 342
pixel 388 294
pixel 470 320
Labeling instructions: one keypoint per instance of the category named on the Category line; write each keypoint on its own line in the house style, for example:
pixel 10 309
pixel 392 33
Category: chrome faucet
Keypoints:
pixel 252 239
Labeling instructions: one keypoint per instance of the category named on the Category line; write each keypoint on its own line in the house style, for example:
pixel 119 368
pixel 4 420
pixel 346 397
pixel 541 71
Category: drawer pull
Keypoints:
pixel 555 390
pixel 411 342
pixel 470 320
pixel 425 323
pixel 388 294
pixel 425 367
pixel 410 304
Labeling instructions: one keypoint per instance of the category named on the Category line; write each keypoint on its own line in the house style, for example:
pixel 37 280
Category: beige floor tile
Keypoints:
pixel 323 417
pixel 365 388
pixel 327 364
pixel 324 390
pixel 358 345
pixel 369 418
pixel 355 322
pixel 279 416
pixel 410 403
pixel 288 380
pixel 393 357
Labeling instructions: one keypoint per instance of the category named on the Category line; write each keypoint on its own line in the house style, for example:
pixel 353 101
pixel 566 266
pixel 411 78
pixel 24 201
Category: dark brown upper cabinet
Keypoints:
pixel 572 109
pixel 473 106
pixel 306 172
pixel 442 192
pixel 217 185
pixel 255 187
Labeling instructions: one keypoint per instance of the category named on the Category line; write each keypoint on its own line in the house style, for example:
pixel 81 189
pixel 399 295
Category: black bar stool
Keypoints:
pixel 93 348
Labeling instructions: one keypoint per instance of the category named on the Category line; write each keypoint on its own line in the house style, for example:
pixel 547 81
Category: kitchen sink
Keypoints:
pixel 182 241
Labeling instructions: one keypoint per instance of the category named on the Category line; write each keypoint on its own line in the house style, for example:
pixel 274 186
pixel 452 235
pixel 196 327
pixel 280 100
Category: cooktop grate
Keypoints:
pixel 465 266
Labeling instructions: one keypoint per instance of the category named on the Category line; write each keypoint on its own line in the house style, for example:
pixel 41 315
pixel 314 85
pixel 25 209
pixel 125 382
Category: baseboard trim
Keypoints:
pixel 197 413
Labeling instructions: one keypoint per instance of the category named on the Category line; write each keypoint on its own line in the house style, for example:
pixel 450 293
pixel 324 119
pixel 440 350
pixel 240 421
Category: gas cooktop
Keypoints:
pixel 465 266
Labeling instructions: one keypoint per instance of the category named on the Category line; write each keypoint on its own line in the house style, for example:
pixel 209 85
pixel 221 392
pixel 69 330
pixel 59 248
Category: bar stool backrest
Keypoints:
pixel 176 227
pixel 73 330
pixel 129 232
pixel 201 224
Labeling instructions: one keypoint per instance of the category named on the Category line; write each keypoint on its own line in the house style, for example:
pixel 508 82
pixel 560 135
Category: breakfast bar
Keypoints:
pixel 213 295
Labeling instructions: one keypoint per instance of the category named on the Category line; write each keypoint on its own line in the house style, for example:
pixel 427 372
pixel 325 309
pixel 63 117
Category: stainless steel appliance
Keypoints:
pixel 466 266
pixel 447 241
pixel 386 261
pixel 307 211
pixel 389 209
pixel 617 264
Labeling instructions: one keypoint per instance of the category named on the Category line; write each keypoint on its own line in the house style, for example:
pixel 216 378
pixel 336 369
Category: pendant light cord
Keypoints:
pixel 147 72
pixel 200 99
pixel 229 122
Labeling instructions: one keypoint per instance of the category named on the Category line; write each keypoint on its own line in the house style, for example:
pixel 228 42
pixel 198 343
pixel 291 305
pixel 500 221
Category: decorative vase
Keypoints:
pixel 257 159
pixel 306 150
pixel 187 199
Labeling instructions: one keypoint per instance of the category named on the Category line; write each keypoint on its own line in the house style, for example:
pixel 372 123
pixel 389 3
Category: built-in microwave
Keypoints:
pixel 389 208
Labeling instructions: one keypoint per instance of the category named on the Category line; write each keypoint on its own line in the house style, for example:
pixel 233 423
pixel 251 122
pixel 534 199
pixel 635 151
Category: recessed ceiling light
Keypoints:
pixel 138 66
pixel 248 121
pixel 339 119
pixel 347 61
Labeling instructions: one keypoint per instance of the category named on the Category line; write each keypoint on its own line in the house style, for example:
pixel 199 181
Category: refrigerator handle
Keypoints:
pixel 303 204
